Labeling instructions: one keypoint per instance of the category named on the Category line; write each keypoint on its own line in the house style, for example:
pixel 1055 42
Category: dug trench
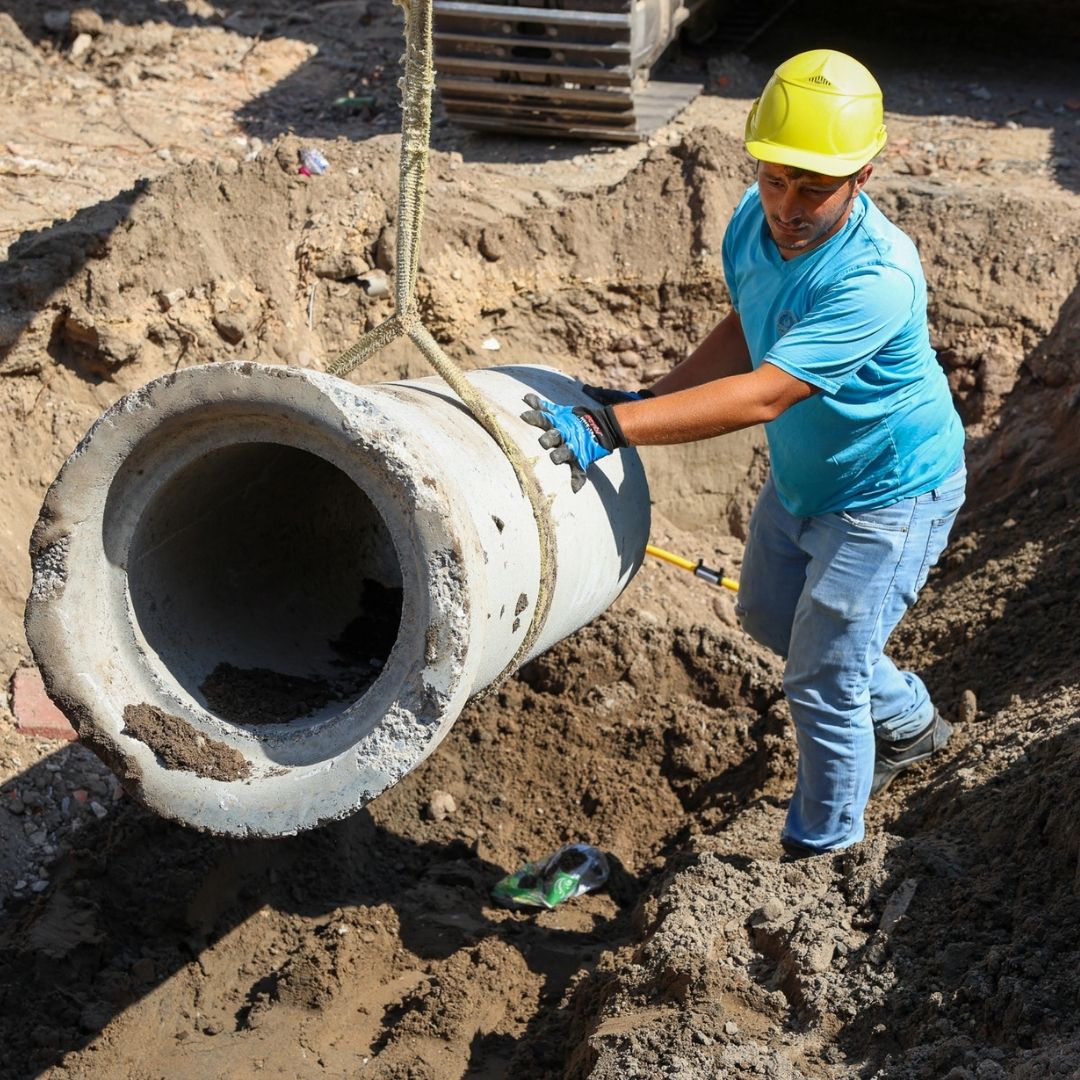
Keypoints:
pixel 944 945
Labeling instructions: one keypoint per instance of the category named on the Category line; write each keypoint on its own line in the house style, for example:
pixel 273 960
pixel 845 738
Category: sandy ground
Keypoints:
pixel 153 218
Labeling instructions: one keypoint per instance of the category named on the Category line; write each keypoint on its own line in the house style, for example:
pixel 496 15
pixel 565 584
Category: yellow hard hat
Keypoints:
pixel 821 111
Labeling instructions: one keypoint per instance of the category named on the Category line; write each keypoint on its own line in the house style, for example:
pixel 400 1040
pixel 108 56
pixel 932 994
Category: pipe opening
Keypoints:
pixel 266 584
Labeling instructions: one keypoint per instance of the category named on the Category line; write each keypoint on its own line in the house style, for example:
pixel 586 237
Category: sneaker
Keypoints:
pixel 892 758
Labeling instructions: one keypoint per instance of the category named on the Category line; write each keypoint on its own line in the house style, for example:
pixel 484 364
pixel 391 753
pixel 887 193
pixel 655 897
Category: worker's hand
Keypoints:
pixel 576 436
pixel 608 396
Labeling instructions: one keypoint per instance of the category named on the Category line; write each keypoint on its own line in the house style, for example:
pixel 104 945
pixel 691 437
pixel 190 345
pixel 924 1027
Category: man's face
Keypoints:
pixel 804 209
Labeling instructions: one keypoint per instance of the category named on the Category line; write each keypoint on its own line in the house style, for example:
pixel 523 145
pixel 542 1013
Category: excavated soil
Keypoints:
pixel 154 217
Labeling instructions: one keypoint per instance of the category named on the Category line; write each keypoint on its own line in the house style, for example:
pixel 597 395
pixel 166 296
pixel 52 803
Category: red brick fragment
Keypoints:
pixel 34 713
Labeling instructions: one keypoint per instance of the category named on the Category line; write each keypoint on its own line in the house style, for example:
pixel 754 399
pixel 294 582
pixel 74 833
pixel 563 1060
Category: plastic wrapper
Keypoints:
pixel 571 871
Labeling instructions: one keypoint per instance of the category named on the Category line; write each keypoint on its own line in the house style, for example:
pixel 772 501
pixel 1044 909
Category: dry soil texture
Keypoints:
pixel 153 217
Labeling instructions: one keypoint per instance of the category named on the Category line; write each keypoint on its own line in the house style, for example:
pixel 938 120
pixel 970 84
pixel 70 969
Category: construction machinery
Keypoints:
pixel 579 68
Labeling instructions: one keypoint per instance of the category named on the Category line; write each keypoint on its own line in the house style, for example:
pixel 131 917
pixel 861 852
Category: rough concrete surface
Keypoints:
pixel 153 218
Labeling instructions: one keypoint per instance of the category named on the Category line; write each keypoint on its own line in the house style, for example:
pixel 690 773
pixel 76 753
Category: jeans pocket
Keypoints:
pixel 937 535
pixel 886 519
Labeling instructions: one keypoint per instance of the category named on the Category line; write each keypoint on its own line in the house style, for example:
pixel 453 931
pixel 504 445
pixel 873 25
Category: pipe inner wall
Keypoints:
pixel 267 584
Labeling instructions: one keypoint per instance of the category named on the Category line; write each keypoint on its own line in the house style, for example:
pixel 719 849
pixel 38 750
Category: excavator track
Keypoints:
pixel 573 68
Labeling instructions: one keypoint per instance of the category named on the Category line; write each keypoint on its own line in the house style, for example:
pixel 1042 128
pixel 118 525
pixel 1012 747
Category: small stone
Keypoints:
pixel 819 956
pixel 99 811
pixel 771 911
pixel 16 806
pixel 731 1028
pixel 375 284
pixel 440 806
pixel 491 246
pixel 80 45
pixel 86 21
pixel 491 344
pixel 170 299
pixel 628 342
pixel 969 706
pixel 232 326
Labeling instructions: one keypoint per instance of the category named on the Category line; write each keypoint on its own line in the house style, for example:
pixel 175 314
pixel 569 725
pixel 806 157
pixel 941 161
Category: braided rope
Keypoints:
pixel 417 85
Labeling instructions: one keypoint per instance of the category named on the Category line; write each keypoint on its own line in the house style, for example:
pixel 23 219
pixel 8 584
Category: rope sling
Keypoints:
pixel 418 85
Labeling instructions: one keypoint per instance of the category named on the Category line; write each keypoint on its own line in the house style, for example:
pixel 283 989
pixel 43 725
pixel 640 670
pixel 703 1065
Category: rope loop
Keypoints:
pixel 418 84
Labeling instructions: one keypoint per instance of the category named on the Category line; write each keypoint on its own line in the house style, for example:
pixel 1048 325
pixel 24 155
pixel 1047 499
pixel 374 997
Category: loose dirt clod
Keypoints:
pixel 180 746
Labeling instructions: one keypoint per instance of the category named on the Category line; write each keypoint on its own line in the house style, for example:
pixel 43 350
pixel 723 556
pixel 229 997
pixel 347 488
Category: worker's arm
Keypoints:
pixel 722 353
pixel 711 408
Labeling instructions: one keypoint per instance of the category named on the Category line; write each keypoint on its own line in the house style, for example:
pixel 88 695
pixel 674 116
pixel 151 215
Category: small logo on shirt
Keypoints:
pixel 785 321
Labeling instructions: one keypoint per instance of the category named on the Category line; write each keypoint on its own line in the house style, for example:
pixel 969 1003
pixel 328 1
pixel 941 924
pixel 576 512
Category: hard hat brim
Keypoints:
pixel 821 164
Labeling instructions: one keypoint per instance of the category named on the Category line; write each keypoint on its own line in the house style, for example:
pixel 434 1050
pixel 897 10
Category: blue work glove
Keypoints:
pixel 607 396
pixel 576 436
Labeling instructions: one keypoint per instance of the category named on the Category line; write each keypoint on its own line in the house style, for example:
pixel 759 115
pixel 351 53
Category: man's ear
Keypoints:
pixel 862 176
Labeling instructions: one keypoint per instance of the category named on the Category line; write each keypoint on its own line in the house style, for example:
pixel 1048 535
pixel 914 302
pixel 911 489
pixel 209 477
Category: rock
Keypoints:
pixel 772 910
pixel 969 706
pixel 819 956
pixel 491 246
pixel 232 325
pixel 167 300
pixel 80 45
pixel 440 806
pixel 86 21
pixel 375 284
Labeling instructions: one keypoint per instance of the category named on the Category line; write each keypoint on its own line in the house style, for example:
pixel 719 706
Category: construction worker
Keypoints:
pixel 827 345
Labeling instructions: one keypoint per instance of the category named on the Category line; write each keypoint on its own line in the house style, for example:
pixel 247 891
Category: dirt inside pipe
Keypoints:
pixel 260 695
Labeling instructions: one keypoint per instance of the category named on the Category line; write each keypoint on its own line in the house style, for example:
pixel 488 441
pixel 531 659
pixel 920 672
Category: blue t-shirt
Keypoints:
pixel 848 317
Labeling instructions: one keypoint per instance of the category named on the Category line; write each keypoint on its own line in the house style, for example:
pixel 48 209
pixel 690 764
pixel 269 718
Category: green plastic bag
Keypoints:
pixel 573 870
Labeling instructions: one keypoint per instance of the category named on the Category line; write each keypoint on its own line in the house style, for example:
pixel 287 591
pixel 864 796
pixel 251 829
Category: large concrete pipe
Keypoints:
pixel 263 594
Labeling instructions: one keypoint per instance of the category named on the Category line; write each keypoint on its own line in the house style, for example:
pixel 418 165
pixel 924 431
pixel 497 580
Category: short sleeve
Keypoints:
pixel 850 323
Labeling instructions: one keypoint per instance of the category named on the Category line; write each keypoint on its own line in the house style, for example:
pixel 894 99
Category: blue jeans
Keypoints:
pixel 825 593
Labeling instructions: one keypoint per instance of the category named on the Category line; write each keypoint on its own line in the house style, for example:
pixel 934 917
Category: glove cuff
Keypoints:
pixel 612 437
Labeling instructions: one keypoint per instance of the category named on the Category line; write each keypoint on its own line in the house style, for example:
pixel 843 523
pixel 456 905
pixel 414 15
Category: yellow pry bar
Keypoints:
pixel 698 568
